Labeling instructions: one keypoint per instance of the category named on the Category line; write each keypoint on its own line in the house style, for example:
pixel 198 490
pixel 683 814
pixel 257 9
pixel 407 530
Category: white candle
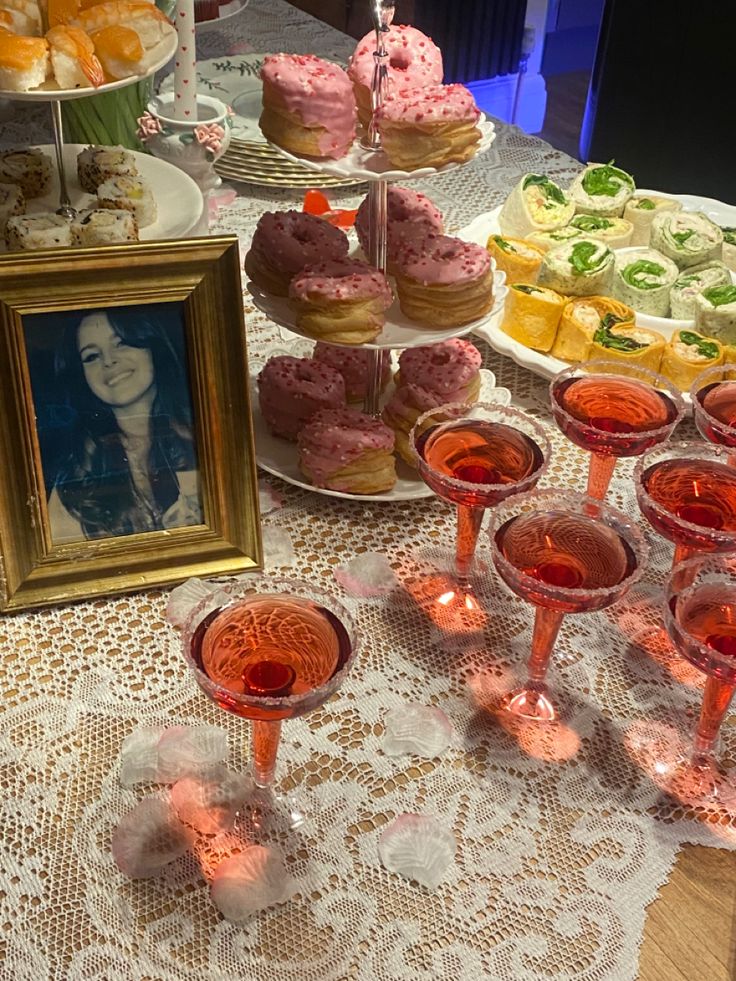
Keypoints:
pixel 185 65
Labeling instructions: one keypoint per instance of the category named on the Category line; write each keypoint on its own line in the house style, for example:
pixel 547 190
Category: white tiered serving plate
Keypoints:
pixel 160 54
pixel 362 164
pixel 279 457
pixel 179 201
pixel 545 365
pixel 398 331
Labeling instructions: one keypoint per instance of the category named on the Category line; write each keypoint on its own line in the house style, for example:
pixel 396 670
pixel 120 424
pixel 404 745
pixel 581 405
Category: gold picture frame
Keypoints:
pixel 196 283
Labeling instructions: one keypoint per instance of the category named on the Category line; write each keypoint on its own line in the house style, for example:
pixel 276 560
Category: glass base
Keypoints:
pixel 268 811
pixel 533 701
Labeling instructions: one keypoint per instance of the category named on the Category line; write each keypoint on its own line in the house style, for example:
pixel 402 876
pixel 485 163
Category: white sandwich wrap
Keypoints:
pixel 642 279
pixel 689 238
pixel 641 211
pixel 536 204
pixel 693 281
pixel 715 313
pixel 582 267
pixel 615 232
pixel 602 189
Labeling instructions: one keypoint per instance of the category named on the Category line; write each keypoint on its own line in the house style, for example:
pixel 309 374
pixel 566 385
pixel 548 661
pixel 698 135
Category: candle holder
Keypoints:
pixel 192 145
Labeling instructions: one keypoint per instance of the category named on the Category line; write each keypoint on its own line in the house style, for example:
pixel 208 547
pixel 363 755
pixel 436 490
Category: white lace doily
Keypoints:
pixel 562 838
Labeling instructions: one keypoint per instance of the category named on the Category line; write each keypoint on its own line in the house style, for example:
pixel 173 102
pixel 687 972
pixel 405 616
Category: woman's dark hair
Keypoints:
pixel 94 483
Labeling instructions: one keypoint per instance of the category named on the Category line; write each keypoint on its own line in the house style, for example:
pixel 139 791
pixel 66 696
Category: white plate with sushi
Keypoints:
pixel 398 331
pixel 156 57
pixel 179 202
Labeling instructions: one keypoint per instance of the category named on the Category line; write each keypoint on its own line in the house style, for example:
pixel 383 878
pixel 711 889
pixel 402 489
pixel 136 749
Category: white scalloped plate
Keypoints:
pixel 162 53
pixel 398 331
pixel 363 164
pixel 279 457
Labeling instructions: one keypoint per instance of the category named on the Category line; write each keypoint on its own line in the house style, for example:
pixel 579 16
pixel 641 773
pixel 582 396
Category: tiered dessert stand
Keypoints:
pixel 54 96
pixel 366 161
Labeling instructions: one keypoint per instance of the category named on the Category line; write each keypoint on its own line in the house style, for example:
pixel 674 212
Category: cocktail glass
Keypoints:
pixel 713 394
pixel 613 410
pixel 564 553
pixel 701 621
pixel 476 455
pixel 687 493
pixel 273 649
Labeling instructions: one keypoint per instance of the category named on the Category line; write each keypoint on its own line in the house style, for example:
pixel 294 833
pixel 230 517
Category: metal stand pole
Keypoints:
pixel 383 14
pixel 65 208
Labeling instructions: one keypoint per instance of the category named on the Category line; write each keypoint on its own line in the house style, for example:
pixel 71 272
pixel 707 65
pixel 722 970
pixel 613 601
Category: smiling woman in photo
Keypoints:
pixel 131 464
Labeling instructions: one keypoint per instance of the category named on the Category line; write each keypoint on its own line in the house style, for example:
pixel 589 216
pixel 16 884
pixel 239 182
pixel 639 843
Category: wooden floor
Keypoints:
pixel 566 95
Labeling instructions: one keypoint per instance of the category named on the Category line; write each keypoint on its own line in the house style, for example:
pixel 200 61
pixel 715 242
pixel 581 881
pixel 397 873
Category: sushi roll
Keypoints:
pixel 97 164
pixel 25 233
pixel 641 211
pixel 687 354
pixel 693 281
pixel 615 232
pixel 520 260
pixel 715 313
pixel 579 268
pixel 689 238
pixel 104 227
pixel 31 170
pixel 12 203
pixel 550 240
pixel 532 314
pixel 24 62
pixel 536 204
pixel 628 343
pixel 131 194
pixel 642 279
pixel 729 248
pixel 580 320
pixel 602 189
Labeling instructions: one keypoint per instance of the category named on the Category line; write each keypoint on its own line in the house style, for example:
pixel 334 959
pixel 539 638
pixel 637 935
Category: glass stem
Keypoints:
pixel 546 627
pixel 716 699
pixel 468 526
pixel 684 579
pixel 265 738
pixel 600 471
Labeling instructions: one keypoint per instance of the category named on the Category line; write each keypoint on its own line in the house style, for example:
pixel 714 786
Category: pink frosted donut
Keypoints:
pixel 448 369
pixel 431 105
pixel 411 216
pixel 341 279
pixel 291 390
pixel 304 93
pixel 443 260
pixel 285 242
pixel 336 439
pixel 354 365
pixel 414 61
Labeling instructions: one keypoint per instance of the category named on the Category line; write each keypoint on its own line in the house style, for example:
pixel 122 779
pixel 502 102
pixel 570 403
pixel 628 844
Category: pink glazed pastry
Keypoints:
pixel 429 127
pixel 414 61
pixel 292 390
pixel 284 242
pixel 354 365
pixel 411 217
pixel 450 370
pixel 348 451
pixel 308 106
pixel 402 411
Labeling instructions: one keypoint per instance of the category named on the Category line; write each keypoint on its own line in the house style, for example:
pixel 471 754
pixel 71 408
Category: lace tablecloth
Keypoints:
pixel 562 839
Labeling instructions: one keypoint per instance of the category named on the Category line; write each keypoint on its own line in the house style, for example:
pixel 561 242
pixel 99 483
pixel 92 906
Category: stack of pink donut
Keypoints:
pixel 309 105
pixel 340 448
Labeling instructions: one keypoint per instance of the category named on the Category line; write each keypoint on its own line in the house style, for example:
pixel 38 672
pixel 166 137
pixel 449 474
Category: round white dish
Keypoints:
pixel 279 457
pixel 398 332
pixel 224 12
pixel 363 164
pixel 235 80
pixel 721 213
pixel 178 199
pixel 162 53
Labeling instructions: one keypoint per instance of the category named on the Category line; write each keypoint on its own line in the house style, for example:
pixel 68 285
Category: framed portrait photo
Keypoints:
pixel 126 443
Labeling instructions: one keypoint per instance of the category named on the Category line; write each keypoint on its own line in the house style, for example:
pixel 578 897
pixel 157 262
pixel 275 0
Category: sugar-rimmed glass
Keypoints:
pixel 701 621
pixel 564 553
pixel 713 395
pixel 613 409
pixel 476 455
pixel 687 493
pixel 273 649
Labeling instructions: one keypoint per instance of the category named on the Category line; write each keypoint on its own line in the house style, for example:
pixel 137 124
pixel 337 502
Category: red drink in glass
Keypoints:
pixel 613 411
pixel 707 615
pixel 715 412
